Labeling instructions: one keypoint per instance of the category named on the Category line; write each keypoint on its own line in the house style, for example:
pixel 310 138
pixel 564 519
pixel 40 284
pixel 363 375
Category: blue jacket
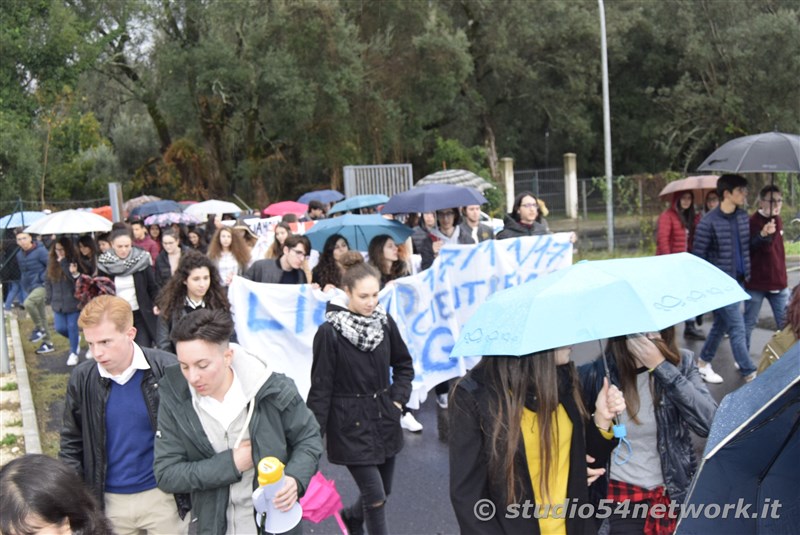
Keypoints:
pixel 713 241
pixel 32 267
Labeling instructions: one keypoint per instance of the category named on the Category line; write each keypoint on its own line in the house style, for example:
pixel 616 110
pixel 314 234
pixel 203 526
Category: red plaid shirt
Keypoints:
pixel 620 491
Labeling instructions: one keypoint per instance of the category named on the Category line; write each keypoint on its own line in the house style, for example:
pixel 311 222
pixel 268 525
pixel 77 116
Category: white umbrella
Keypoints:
pixel 201 210
pixel 70 222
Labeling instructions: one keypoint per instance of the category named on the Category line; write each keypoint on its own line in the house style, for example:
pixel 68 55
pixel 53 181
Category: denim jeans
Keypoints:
pixel 15 293
pixel 66 325
pixel 777 301
pixel 374 484
pixel 729 319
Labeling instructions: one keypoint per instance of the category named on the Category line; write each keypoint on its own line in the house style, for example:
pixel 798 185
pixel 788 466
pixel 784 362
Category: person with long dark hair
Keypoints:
pixel 328 271
pixel 39 494
pixel 385 257
pixel 87 257
pixel 523 219
pixel 229 253
pixel 197 239
pixel 170 256
pixel 360 379
pixel 281 232
pixel 666 399
pixel 195 285
pixel 59 288
pixel 129 267
pixel 520 434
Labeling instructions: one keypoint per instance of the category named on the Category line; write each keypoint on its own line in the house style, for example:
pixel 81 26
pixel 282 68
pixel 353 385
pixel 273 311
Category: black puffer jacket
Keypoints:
pixel 352 394
pixel 83 432
pixel 684 403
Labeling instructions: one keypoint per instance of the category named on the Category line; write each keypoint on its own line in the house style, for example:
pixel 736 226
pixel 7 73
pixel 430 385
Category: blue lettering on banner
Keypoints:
pixel 259 324
pixel 438 365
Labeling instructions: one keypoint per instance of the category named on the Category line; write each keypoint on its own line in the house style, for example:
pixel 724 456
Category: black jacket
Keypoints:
pixel 83 432
pixel 515 229
pixel 146 292
pixel 470 415
pixel 684 403
pixel 352 394
pixel 484 233
pixel 60 294
pixel 163 271
pixel 423 246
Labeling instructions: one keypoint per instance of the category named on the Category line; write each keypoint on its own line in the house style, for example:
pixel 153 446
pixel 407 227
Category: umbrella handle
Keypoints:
pixel 621 457
pixel 338 516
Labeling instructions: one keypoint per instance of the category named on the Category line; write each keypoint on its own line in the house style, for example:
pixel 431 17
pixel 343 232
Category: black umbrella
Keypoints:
pixel 770 152
pixel 154 207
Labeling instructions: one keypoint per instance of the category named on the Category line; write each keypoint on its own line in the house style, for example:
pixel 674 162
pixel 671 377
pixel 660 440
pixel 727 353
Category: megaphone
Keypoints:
pixel 270 481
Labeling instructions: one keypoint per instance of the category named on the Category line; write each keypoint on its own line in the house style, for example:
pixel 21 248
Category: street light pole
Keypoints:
pixel 607 129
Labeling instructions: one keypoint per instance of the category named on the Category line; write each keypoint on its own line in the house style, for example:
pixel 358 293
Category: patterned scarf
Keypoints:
pixel 364 332
pixel 114 265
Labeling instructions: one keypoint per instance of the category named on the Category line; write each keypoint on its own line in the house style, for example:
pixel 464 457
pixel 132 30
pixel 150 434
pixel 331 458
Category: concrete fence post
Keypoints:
pixel 507 172
pixel 571 185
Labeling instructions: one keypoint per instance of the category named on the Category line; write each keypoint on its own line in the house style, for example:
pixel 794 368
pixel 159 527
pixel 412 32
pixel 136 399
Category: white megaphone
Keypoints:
pixel 270 481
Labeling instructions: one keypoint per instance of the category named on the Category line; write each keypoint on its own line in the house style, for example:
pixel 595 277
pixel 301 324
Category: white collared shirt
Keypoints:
pixel 227 410
pixel 137 363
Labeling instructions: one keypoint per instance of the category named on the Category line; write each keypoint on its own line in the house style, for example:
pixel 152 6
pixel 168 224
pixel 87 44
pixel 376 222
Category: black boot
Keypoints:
pixel 699 319
pixel 690 332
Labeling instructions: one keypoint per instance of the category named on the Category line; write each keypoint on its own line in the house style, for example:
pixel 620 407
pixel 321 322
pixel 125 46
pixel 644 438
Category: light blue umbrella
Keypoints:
pixel 594 300
pixel 322 195
pixel 358 230
pixel 20 219
pixel 357 202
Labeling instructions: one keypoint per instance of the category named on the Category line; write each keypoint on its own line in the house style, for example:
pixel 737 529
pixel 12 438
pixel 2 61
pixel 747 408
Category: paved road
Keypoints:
pixel 420 503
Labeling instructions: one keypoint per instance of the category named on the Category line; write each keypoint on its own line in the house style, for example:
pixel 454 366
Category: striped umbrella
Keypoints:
pixel 456 177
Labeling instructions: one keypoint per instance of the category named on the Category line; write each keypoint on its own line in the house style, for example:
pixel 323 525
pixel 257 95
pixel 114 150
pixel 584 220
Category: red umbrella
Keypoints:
pixel 104 211
pixel 285 207
pixel 699 185
pixel 321 501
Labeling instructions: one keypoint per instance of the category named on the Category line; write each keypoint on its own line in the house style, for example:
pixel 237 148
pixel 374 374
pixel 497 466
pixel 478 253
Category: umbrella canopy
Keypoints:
pixel 321 499
pixel 170 218
pixel 456 177
pixel 130 204
pixel 70 222
pixel 431 198
pixel 201 210
pixel 698 185
pixel 104 211
pixel 358 230
pixel 285 207
pixel 322 195
pixel 751 455
pixel 20 219
pixel 154 207
pixel 770 152
pixel 594 300
pixel 357 202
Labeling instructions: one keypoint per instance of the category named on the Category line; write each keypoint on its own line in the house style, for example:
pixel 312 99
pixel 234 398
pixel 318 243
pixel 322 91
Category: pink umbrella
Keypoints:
pixel 699 185
pixel 321 501
pixel 285 207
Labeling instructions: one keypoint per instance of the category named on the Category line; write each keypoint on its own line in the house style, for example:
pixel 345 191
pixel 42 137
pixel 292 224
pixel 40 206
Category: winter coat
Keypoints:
pixel 83 432
pixel 268 271
pixel 514 229
pixel 767 256
pixel 682 403
pixel 484 233
pixel 32 267
pixel 146 292
pixel 60 294
pixel 352 394
pixel 185 461
pixel 470 419
pixel 163 271
pixel 423 246
pixel 672 236
pixel 713 240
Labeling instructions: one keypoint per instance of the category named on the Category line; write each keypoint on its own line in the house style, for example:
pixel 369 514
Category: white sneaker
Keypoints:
pixel 441 399
pixel 708 374
pixel 409 423
pixel 749 378
pixel 89 355
pixel 72 360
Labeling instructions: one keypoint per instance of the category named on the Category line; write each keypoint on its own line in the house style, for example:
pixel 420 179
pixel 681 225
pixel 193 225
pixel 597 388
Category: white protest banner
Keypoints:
pixel 279 321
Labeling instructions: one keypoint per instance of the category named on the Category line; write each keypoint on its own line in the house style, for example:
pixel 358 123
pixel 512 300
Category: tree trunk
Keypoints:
pixel 491 149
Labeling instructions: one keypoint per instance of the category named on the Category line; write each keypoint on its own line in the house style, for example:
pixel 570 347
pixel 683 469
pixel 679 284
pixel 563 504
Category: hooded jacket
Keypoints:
pixel 352 394
pixel 672 235
pixel 186 461
pixel 684 404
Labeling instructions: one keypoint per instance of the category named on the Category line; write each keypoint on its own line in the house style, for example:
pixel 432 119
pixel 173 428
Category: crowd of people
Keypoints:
pixel 168 416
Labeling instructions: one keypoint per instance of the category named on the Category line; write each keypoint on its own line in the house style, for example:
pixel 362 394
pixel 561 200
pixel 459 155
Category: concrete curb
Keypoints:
pixel 30 426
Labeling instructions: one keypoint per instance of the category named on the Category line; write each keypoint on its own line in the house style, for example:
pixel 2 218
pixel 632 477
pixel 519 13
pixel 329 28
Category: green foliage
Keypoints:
pixel 8 387
pixel 9 439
